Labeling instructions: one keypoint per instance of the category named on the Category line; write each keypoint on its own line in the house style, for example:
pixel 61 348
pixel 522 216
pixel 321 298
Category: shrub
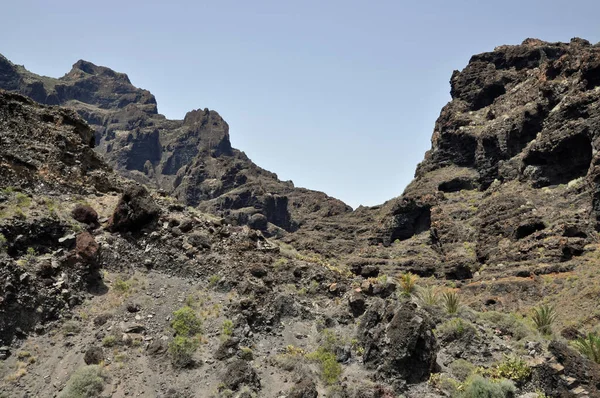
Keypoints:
pixel 109 341
pixel 22 199
pixel 185 322
pixel 451 301
pixel 213 280
pixel 589 346
pixel 3 243
pixel 86 382
pixel 330 368
pixel 246 353
pixel 227 327
pixel 181 350
pixel 121 286
pixel 480 387
pixel 512 368
pixel 543 317
pixel 462 369
pixel 408 282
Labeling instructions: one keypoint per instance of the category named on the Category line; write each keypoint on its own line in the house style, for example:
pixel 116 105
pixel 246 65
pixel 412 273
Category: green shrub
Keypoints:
pixel 330 368
pixel 589 346
pixel 227 327
pixel 185 322
pixel 3 243
pixel 408 282
pixel 109 341
pixel 512 368
pixel 543 317
pixel 182 349
pixel 246 353
pixel 121 286
pixel 480 387
pixel 86 382
pixel 451 301
pixel 213 280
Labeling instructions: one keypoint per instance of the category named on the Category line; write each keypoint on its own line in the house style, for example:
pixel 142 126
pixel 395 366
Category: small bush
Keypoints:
pixel 3 243
pixel 512 368
pixel 86 382
pixel 71 327
pixel 181 350
pixel 109 341
pixel 22 199
pixel 213 280
pixel 480 387
pixel 186 323
pixel 408 283
pixel 121 286
pixel 462 369
pixel 227 327
pixel 330 368
pixel 451 301
pixel 543 317
pixel 246 353
pixel 589 346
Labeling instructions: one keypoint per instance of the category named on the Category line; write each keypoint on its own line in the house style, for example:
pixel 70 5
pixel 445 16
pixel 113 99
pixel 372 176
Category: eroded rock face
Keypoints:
pixel 398 341
pixel 513 164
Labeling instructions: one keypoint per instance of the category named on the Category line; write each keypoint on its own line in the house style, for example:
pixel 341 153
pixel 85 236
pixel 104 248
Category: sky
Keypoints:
pixel 337 96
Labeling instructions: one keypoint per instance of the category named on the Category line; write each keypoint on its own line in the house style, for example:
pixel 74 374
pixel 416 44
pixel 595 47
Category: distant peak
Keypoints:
pixel 95 70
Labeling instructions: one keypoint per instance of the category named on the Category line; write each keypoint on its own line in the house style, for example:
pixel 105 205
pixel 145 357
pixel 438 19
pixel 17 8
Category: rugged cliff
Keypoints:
pixel 191 159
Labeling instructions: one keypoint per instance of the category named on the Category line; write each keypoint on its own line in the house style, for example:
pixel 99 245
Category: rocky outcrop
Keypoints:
pixel 512 174
pixel 398 342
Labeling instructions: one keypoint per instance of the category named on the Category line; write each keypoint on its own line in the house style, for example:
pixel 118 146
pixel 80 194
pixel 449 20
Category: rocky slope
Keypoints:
pixel 192 159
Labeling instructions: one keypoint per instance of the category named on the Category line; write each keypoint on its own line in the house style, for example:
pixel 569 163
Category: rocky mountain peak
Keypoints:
pixel 92 69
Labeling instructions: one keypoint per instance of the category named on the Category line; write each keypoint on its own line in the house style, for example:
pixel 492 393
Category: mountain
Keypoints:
pixel 192 159
pixel 146 256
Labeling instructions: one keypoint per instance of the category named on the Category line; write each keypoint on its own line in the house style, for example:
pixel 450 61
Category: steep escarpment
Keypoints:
pixel 191 159
pixel 512 172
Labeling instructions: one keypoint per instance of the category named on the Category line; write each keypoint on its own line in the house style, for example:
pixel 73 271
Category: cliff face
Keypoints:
pixel 190 158
pixel 511 182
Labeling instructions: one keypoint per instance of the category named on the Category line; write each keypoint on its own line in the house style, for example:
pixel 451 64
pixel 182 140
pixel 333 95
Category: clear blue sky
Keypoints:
pixel 338 96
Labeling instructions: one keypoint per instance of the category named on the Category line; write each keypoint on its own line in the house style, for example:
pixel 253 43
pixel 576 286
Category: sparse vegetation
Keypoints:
pixel 213 280
pixel 454 329
pixel 543 317
pixel 70 328
pixel 589 346
pixel 408 282
pixel 3 243
pixel 451 301
pixel 86 382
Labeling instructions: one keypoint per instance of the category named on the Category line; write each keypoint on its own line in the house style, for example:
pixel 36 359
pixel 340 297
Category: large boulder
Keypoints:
pixel 399 342
pixel 134 211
